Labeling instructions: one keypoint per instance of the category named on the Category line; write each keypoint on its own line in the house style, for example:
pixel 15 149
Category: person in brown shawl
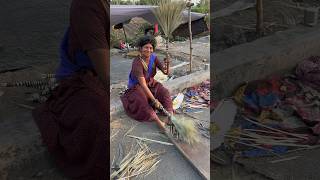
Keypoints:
pixel 73 122
pixel 144 93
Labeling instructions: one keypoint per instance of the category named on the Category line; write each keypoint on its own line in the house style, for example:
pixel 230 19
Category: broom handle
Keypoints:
pixel 165 111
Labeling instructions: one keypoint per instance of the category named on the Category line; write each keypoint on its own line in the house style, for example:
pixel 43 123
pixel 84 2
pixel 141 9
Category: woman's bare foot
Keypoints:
pixel 167 121
pixel 161 124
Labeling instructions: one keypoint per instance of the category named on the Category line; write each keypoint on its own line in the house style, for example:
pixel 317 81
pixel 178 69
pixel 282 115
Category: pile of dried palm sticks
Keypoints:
pixel 137 162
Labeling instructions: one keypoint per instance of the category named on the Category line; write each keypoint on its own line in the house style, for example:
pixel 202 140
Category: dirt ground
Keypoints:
pixel 239 27
pixel 22 155
pixel 31 32
pixel 172 166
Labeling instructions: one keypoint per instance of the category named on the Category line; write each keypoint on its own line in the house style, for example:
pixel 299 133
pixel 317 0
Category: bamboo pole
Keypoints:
pixel 189 5
pixel 259 10
pixel 167 52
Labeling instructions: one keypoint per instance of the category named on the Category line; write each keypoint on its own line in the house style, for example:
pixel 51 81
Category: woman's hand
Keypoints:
pixel 143 84
pixel 156 103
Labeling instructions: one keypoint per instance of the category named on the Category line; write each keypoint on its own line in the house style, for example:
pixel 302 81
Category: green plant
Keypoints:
pixel 179 38
pixel 115 36
pixel 202 7
pixel 148 2
pixel 122 2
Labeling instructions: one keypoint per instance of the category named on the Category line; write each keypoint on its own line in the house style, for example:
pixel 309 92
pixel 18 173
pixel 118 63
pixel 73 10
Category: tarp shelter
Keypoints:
pixel 123 13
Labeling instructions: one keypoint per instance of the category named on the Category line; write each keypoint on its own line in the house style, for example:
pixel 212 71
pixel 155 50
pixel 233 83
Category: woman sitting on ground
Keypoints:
pixel 144 92
pixel 74 121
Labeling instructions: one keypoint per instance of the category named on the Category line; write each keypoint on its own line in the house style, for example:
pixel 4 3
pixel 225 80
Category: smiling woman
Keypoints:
pixel 144 92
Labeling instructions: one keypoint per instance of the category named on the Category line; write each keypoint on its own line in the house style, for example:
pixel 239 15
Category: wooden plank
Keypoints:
pixel 198 155
pixel 223 117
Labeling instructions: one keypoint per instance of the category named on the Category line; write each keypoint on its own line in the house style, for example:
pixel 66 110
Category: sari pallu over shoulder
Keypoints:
pixel 134 81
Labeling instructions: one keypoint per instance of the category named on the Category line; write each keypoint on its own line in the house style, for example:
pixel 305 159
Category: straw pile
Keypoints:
pixel 142 162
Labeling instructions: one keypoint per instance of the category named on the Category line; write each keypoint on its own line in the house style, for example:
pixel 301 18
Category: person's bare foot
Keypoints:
pixel 162 126
pixel 167 121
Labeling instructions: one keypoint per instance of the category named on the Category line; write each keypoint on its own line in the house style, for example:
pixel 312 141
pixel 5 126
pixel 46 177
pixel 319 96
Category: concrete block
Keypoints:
pixel 274 54
pixel 178 84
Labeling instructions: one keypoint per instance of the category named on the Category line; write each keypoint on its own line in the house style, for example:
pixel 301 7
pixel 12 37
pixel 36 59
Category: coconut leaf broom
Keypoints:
pixel 183 129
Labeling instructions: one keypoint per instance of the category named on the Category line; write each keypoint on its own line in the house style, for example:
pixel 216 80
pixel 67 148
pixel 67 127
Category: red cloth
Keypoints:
pixel 156 30
pixel 74 126
pixel 316 129
pixel 135 100
pixel 309 114
pixel 308 71
pixel 122 45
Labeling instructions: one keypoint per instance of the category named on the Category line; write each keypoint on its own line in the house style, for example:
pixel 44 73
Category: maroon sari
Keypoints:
pixel 135 101
pixel 73 122
pixel 73 125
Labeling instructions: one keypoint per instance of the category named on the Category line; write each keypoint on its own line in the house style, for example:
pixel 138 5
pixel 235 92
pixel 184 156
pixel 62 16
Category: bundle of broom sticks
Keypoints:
pixel 139 163
pixel 182 129
pixel 266 135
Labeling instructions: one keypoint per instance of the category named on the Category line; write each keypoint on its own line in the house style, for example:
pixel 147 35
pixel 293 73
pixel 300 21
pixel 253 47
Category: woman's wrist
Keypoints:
pixel 153 100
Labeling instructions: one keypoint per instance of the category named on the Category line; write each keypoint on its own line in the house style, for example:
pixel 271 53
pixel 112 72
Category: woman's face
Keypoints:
pixel 146 50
